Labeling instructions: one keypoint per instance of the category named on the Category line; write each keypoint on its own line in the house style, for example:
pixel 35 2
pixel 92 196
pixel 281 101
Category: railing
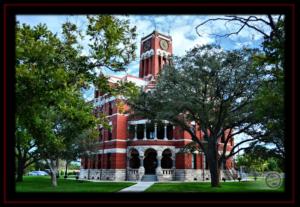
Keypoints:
pixel 133 171
pixel 167 171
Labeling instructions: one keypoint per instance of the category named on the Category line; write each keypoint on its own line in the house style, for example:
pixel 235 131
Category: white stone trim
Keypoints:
pixel 112 150
pixel 158 148
pixel 162 53
pixel 147 39
pixel 147 54
pixel 115 114
pixel 116 140
pixel 163 37
pixel 144 121
pixel 135 122
pixel 180 140
pixel 101 101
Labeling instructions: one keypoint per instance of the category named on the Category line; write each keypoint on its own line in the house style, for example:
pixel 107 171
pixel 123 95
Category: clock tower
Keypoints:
pixel 156 51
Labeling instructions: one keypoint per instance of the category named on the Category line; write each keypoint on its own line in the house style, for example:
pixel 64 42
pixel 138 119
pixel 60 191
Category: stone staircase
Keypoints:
pixel 229 174
pixel 149 178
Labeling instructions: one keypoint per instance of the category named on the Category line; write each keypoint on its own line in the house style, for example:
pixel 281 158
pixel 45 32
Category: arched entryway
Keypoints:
pixel 150 161
pixel 134 161
pixel 166 161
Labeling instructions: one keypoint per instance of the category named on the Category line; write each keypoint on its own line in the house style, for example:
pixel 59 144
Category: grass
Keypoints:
pixel 245 186
pixel 43 184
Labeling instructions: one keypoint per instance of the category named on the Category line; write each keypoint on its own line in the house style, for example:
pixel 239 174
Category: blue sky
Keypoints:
pixel 180 27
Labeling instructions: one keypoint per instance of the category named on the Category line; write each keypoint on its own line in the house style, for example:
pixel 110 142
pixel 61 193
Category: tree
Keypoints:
pixel 25 152
pixel 214 88
pixel 271 28
pixel 274 160
pixel 252 164
pixel 50 107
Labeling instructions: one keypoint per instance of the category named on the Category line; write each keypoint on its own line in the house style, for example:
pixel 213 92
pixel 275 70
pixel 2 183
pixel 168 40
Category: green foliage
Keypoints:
pixel 270 99
pixel 112 41
pixel 50 73
pixel 254 163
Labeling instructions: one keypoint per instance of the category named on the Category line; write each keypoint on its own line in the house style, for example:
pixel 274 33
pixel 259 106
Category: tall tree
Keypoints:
pixel 214 88
pixel 272 30
pixel 50 73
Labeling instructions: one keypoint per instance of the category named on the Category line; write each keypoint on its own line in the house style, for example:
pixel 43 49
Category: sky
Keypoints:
pixel 180 27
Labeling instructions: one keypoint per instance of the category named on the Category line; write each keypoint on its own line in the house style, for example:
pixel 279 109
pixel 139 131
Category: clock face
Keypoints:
pixel 147 45
pixel 164 44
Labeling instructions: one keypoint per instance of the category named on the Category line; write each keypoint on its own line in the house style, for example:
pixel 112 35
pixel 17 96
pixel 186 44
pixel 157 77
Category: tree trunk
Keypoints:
pixel 53 164
pixel 20 170
pixel 66 170
pixel 54 179
pixel 213 165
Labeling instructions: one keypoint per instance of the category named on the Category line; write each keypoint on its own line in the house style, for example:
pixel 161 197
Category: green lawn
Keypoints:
pixel 245 186
pixel 43 184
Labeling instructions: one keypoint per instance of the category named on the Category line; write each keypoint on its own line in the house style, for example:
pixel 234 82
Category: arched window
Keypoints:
pixel 166 161
pixel 134 161
pixel 194 161
pixel 99 161
pixel 108 163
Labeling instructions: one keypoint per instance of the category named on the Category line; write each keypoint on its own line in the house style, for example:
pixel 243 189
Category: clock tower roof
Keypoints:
pixel 156 33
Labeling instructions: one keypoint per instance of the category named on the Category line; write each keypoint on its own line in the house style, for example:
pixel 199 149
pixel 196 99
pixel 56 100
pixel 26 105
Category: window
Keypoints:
pixel 99 161
pixel 108 164
pixel 86 162
pixel 109 134
pixel 94 162
pixel 194 161
pixel 110 110
pixel 100 134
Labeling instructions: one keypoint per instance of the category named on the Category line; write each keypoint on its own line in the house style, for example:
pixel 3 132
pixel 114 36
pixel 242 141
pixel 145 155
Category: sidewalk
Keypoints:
pixel 139 187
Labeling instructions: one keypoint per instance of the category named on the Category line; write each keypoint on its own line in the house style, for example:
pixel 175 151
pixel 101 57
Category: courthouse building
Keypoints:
pixel 136 149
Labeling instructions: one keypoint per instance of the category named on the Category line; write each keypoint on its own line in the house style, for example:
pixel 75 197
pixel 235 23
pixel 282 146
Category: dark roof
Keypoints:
pixel 156 32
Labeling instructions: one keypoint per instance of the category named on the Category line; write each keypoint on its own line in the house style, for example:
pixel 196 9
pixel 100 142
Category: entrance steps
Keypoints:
pixel 149 178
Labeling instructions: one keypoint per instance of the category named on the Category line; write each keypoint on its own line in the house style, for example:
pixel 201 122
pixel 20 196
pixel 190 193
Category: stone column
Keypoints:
pixel 159 161
pixel 128 161
pixel 165 132
pixel 145 132
pixel 155 131
pixel 141 171
pixel 173 162
pixel 158 169
pixel 135 132
pixel 141 161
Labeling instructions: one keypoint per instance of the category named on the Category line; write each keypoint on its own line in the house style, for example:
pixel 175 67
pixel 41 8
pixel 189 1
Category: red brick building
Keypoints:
pixel 140 150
